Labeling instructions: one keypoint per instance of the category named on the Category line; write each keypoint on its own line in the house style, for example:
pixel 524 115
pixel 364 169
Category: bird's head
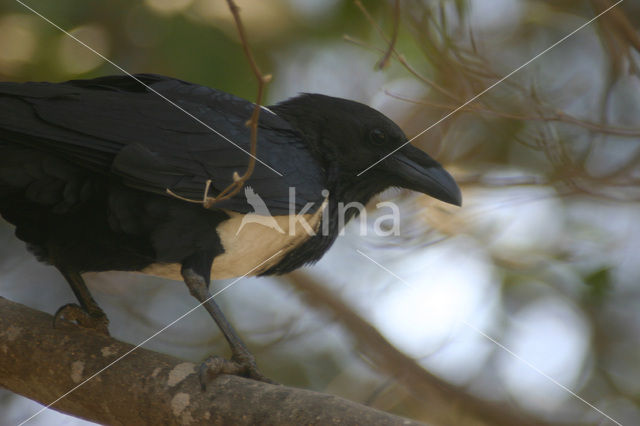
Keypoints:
pixel 353 137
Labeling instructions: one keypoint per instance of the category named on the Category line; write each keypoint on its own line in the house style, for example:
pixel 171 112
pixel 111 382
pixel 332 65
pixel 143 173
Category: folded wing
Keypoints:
pixel 118 127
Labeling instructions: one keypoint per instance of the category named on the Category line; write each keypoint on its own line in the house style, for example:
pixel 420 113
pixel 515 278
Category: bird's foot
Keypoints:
pixel 75 314
pixel 244 366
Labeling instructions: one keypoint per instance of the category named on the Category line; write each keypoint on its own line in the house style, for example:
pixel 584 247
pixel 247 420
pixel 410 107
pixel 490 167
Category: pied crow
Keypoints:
pixel 86 165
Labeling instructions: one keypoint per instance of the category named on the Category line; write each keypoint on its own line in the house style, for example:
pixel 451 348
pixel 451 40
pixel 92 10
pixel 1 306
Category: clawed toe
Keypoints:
pixel 216 365
pixel 75 314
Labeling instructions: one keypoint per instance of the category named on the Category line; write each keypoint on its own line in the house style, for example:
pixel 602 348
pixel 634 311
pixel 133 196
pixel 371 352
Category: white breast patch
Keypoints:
pixel 248 245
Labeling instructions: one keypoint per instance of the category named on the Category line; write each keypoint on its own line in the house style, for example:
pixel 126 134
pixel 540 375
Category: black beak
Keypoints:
pixel 415 170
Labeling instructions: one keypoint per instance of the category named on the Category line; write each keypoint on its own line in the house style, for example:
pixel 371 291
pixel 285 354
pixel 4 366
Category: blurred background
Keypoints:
pixel 543 258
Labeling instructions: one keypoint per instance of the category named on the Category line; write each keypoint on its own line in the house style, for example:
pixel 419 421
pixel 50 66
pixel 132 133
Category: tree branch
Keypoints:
pixel 445 403
pixel 145 387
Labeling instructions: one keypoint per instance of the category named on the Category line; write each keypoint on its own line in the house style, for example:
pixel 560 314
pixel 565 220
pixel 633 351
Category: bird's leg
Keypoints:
pixel 242 362
pixel 88 314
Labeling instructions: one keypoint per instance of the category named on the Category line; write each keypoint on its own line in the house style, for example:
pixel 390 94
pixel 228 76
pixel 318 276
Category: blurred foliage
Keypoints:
pixel 548 161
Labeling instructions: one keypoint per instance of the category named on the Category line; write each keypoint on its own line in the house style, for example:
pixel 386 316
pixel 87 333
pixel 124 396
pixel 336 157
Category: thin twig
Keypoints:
pixel 239 181
pixel 557 115
pixel 619 22
pixel 384 61
pixel 399 57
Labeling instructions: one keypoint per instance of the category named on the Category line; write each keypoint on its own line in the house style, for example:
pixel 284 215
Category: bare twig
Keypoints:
pixel 384 61
pixel 399 57
pixel 619 22
pixel 239 181
pixel 557 115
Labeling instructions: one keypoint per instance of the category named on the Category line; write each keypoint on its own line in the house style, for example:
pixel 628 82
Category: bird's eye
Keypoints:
pixel 377 137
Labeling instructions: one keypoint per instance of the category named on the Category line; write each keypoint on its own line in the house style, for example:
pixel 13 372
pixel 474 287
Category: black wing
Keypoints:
pixel 115 125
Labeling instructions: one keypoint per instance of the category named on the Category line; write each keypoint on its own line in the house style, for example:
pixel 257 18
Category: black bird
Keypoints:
pixel 85 166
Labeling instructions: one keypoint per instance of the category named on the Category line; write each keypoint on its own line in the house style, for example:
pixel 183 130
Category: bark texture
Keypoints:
pixel 145 387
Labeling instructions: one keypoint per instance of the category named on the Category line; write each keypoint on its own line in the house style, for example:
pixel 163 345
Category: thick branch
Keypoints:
pixel 446 403
pixel 146 387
